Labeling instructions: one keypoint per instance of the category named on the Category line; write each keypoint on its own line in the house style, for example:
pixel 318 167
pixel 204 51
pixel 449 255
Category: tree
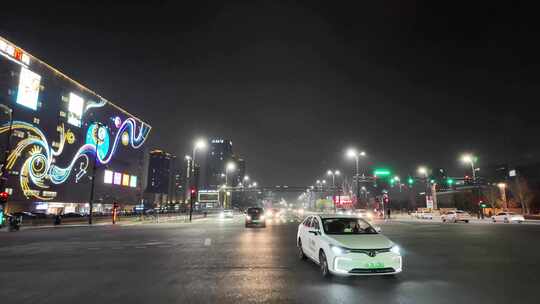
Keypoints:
pixel 521 190
pixel 492 193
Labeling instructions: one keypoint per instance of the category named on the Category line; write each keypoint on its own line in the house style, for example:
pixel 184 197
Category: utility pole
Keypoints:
pixel 91 202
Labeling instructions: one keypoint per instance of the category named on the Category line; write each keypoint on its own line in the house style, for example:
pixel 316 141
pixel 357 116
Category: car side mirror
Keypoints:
pixel 377 228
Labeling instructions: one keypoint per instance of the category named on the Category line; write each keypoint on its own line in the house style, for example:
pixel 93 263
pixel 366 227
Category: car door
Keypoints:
pixel 314 238
pixel 304 235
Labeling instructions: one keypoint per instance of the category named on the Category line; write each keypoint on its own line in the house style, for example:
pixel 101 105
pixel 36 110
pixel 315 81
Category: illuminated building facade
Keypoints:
pixel 58 130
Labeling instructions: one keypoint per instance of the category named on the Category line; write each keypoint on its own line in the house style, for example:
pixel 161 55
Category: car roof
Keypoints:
pixel 325 216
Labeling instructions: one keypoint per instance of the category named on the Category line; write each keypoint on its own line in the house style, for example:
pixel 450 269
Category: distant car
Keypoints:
pixel 72 214
pixel 255 217
pixel 456 216
pixel 40 215
pixel 345 211
pixel 424 215
pixel 347 245
pixel 508 217
pixel 365 214
pixel 227 214
pixel 24 215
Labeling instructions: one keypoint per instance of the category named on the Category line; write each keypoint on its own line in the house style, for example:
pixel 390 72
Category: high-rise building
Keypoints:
pixel 240 170
pixel 219 153
pixel 160 169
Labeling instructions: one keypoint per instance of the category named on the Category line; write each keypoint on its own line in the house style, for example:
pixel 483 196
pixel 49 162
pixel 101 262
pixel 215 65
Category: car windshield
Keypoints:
pixel 252 211
pixel 347 226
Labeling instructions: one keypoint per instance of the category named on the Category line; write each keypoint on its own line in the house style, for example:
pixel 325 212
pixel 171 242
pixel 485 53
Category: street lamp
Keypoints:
pixel 199 144
pixel 353 153
pixel 422 171
pixel 333 174
pixel 470 159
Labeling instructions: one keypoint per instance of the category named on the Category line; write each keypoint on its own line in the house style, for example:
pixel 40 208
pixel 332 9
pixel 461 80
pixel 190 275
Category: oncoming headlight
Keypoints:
pixel 339 250
pixel 248 217
pixel 395 249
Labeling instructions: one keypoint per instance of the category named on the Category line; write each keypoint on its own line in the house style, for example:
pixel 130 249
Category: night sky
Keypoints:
pixel 294 84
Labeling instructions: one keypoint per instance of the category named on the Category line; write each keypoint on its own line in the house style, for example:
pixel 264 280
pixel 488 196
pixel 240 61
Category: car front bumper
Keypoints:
pixel 362 264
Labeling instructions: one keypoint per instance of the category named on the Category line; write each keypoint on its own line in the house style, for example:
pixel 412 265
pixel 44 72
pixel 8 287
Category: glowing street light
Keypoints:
pixel 470 159
pixel 422 171
pixel 246 178
pixel 353 153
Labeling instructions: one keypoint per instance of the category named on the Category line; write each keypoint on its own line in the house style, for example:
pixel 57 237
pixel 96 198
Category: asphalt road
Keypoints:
pixel 213 261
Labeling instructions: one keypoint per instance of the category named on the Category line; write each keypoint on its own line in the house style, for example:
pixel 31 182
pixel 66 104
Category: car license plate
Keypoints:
pixel 374 265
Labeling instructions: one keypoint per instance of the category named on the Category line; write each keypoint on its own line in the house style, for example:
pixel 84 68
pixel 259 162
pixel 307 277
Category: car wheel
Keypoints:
pixel 444 220
pixel 455 220
pixel 467 221
pixel 493 219
pixel 506 220
pixel 323 263
pixel 519 222
pixel 301 254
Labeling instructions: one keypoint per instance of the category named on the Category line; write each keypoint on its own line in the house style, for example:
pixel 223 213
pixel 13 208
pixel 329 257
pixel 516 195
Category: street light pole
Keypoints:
pixel 352 153
pixel 98 125
pixel 199 144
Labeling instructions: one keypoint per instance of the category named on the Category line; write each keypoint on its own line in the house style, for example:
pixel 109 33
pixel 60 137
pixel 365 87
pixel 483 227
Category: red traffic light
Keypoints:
pixel 4 196
pixel 193 190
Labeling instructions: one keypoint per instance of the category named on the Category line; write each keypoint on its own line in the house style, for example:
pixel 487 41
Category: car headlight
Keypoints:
pixel 248 217
pixel 339 250
pixel 262 217
pixel 395 249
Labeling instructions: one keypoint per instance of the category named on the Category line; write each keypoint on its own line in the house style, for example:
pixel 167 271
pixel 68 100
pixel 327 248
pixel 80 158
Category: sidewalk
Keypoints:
pixel 123 221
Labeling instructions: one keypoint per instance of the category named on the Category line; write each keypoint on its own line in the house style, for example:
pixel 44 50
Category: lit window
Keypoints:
pixel 75 109
pixel 117 178
pixel 133 181
pixel 108 177
pixel 28 92
pixel 125 180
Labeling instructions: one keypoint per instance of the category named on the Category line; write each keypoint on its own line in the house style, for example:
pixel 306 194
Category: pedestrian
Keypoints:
pixel 388 213
pixel 57 219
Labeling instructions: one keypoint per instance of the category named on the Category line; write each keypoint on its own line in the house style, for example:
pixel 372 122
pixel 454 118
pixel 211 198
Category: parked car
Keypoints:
pixel 508 217
pixel 456 216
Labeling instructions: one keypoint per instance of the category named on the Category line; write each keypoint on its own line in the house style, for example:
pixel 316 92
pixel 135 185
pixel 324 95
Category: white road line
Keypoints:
pixel 140 247
pixel 94 248
pixel 207 242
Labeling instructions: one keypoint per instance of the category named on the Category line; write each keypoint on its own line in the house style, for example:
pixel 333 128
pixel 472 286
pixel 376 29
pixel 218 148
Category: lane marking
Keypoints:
pixel 207 242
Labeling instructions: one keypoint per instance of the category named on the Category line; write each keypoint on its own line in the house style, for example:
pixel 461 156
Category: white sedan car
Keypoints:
pixel 456 216
pixel 508 217
pixel 347 245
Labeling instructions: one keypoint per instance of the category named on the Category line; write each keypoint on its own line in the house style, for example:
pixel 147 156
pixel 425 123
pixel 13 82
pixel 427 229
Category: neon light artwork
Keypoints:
pixel 38 168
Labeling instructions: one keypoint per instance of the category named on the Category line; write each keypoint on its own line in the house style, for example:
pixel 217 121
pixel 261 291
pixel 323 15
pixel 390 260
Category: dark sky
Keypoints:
pixel 294 84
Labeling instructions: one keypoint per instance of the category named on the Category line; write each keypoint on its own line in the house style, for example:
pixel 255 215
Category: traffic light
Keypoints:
pixel 410 181
pixel 449 181
pixel 3 197
pixel 193 193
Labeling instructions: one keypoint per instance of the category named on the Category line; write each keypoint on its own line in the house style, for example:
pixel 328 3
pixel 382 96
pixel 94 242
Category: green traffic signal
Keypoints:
pixel 410 180
pixel 450 181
